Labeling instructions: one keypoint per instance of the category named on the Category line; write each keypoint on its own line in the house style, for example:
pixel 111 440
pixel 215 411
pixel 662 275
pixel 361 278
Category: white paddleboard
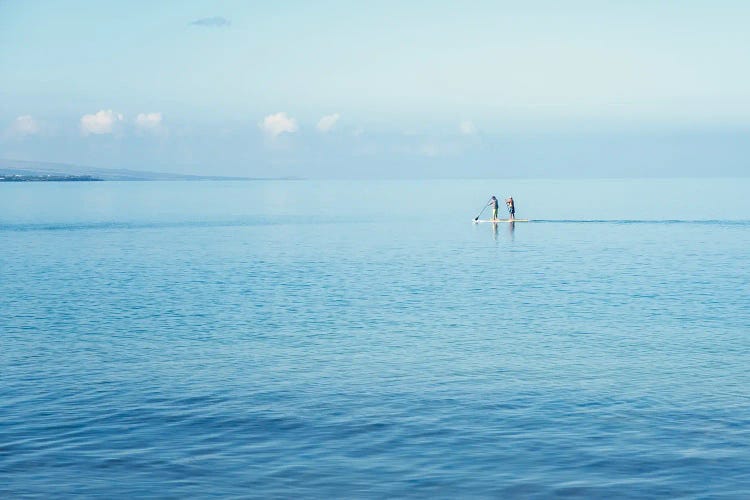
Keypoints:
pixel 501 220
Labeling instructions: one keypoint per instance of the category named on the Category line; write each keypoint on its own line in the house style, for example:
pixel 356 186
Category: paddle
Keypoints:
pixel 483 209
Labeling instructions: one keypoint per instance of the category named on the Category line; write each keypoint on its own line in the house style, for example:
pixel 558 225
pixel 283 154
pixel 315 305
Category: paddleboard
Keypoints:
pixel 502 220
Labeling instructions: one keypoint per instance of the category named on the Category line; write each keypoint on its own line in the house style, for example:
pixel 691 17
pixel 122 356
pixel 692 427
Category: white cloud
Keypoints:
pixel 433 149
pixel 430 150
pixel 150 122
pixel 24 125
pixel 102 122
pixel 278 123
pixel 467 127
pixel 212 22
pixel 327 122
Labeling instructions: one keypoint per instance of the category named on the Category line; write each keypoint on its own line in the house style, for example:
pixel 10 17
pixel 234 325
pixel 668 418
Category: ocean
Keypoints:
pixel 363 339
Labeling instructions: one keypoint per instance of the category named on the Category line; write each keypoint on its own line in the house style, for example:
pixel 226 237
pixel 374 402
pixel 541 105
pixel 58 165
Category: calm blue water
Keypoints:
pixel 355 339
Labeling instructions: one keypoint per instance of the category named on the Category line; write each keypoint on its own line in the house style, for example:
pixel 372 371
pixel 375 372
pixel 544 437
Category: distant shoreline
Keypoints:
pixel 48 178
pixel 31 171
pixel 88 178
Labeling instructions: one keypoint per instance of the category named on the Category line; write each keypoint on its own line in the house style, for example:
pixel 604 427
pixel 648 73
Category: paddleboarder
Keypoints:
pixel 511 207
pixel 494 203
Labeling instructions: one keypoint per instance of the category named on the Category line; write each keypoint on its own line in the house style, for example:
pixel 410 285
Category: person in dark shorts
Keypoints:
pixel 494 203
pixel 511 207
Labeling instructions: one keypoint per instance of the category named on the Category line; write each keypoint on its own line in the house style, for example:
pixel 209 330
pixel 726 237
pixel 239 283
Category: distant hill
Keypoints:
pixel 38 168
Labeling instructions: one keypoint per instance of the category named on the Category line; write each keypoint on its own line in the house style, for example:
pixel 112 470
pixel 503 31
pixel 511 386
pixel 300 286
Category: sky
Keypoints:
pixel 331 89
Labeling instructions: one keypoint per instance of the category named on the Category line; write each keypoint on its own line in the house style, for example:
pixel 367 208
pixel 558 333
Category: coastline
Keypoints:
pixel 49 178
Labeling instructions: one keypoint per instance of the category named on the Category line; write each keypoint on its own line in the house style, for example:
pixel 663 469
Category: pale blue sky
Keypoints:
pixel 410 88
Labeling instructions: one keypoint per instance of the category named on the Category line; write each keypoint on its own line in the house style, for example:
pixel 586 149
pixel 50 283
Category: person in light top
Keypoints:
pixel 494 203
pixel 511 207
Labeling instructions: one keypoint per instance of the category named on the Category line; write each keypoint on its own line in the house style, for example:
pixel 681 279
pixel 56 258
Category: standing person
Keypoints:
pixel 511 208
pixel 494 203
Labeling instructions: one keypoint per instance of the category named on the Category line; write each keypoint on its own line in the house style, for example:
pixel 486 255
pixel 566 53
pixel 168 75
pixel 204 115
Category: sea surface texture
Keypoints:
pixel 366 340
